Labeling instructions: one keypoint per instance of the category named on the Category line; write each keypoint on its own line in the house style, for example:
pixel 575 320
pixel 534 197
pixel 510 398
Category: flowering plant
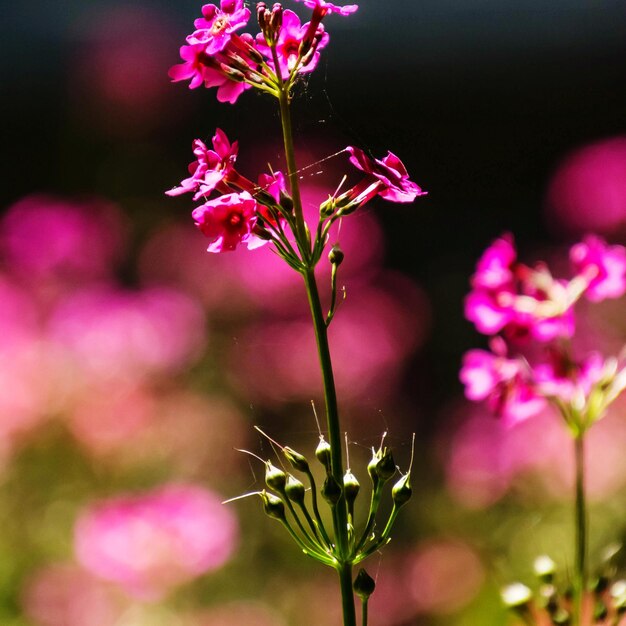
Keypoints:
pixel 237 211
pixel 535 359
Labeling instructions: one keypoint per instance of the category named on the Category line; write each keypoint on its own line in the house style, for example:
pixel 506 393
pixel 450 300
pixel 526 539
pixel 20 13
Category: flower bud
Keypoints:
pixel 402 490
pixel 297 460
pixel 261 12
pixel 232 73
pixel 294 490
pixel 286 202
pixel 363 585
pixel 276 20
pixel 336 255
pixel 322 452
pixel 274 507
pixel 331 490
pixel 351 487
pixel 544 568
pixel 275 478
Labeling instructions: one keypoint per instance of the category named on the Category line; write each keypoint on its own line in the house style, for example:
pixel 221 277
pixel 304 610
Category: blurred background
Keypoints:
pixel 132 362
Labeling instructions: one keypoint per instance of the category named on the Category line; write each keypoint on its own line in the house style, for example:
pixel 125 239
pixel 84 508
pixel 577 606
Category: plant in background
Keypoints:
pixel 536 359
pixel 235 211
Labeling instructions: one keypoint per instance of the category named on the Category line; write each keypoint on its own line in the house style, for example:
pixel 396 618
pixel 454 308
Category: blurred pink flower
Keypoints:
pixel 67 595
pixel 228 221
pixel 588 190
pixel 51 238
pixel 210 167
pixel 153 542
pixel 111 333
pixel 603 266
pixel 505 383
pixel 388 178
pixel 216 25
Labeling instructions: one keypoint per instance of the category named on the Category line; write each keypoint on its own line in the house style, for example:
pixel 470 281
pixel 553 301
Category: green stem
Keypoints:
pixel 580 583
pixel 364 618
pixel 340 511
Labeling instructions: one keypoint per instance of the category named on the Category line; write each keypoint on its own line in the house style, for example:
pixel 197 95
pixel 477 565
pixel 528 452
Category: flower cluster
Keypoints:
pixel 530 318
pixel 251 213
pixel 218 56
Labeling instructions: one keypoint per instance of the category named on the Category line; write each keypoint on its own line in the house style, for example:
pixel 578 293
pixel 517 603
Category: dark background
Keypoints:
pixel 480 98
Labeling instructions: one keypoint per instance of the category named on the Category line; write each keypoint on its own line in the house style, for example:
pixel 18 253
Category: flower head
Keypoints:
pixel 152 542
pixel 505 384
pixel 387 178
pixel 210 168
pixel 602 265
pixel 216 25
pixel 228 221
pixel 198 67
pixel 288 45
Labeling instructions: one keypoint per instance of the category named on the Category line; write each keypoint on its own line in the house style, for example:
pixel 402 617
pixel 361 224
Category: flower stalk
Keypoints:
pixel 580 585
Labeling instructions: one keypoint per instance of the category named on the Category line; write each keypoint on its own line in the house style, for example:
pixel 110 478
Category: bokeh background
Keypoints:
pixel 132 362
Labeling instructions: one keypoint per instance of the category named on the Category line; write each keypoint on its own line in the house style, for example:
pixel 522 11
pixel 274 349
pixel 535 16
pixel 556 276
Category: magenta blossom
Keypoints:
pixel 228 221
pixel 603 266
pixel 152 542
pixel 505 384
pixel 291 35
pixel 210 168
pixel 216 26
pixel 326 8
pixel 563 378
pixel 494 269
pixel 388 178
pixel 198 67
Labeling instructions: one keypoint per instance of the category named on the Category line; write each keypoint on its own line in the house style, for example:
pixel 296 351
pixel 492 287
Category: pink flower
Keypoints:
pixel 494 269
pixel 198 66
pixel 152 542
pixel 505 384
pixel 563 378
pixel 291 35
pixel 210 168
pixel 517 300
pixel 228 221
pixel 217 25
pixel 327 8
pixel 388 178
pixel 602 265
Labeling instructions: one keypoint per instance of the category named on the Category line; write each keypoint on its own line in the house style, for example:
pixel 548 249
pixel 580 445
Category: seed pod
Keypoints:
pixel 351 487
pixel 331 490
pixel 363 585
pixel 274 507
pixel 336 255
pixel 275 478
pixel 402 490
pixel 294 490
pixel 322 452
pixel 297 460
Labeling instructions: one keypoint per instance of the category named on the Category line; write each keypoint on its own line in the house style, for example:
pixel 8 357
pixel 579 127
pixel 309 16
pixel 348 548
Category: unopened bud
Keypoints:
pixel 286 201
pixel 544 568
pixel 322 452
pixel 294 490
pixel 232 73
pixel 331 490
pixel 276 19
pixel 402 490
pixel 261 11
pixel 351 486
pixel 297 460
pixel 275 478
pixel 308 49
pixel 274 507
pixel 336 255
pixel 363 585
